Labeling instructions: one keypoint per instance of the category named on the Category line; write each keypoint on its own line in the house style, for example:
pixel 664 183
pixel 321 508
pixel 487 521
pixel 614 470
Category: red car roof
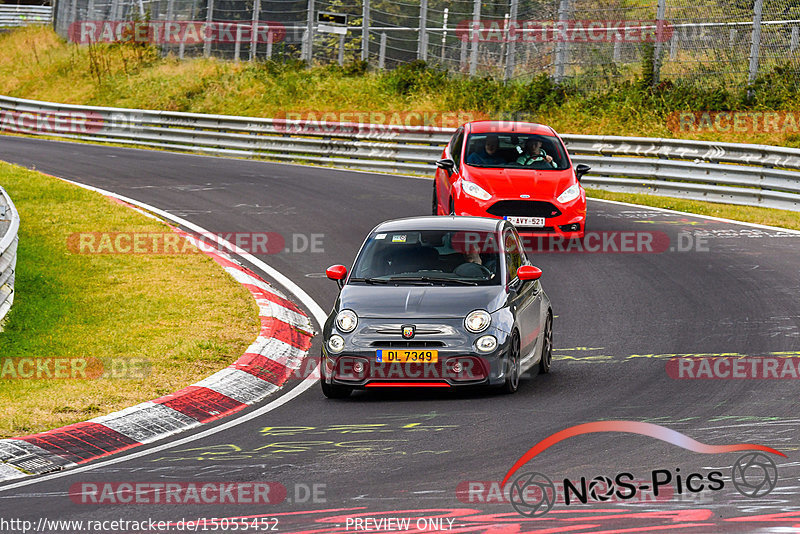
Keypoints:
pixel 509 126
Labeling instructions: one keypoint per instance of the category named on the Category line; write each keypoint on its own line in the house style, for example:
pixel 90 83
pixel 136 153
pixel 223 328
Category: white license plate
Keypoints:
pixel 535 222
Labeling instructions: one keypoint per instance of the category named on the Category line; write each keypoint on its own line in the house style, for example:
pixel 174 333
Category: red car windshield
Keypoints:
pixel 514 150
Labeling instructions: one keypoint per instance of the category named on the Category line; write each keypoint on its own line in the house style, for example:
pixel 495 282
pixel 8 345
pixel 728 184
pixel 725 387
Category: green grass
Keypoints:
pixel 182 316
pixel 752 214
pixel 35 63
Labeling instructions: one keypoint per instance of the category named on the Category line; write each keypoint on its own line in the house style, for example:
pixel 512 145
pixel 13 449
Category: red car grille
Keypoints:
pixel 524 208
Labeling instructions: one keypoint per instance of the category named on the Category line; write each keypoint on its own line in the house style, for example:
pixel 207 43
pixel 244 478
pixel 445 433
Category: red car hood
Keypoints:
pixel 511 183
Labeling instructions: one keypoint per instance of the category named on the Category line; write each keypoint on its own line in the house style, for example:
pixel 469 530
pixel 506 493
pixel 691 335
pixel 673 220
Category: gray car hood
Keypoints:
pixel 420 301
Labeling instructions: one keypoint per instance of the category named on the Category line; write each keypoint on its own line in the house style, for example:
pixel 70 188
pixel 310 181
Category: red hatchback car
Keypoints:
pixel 516 171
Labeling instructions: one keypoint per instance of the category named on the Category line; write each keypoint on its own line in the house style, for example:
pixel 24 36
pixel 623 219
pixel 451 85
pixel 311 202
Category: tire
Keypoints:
pixel 547 346
pixel 435 203
pixel 513 366
pixel 333 391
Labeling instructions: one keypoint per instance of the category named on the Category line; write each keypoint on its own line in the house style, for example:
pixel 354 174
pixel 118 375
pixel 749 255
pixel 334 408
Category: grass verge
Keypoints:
pixel 768 216
pixel 35 63
pixel 177 317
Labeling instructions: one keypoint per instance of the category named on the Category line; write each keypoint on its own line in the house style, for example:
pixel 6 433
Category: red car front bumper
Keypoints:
pixel 560 218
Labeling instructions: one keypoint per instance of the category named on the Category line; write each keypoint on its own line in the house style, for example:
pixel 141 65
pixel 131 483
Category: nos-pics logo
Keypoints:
pixel 532 494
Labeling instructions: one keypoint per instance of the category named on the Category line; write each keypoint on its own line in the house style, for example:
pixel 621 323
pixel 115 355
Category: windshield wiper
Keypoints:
pixel 434 280
pixel 370 280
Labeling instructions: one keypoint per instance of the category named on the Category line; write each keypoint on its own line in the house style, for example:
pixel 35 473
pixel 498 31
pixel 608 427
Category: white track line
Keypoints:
pixel 293 288
pixel 710 217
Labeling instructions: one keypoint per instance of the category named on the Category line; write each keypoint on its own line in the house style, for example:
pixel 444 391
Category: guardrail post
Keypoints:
pixel 462 62
pixel 561 46
pixel 795 38
pixel 341 50
pixel 269 45
pixel 422 44
pixel 474 37
pixel 209 20
pixel 365 31
pixel 382 52
pixel 755 41
pixel 511 50
pixel 254 30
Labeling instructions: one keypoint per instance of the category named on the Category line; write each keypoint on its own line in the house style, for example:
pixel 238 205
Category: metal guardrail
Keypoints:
pixel 14 15
pixel 755 175
pixel 9 225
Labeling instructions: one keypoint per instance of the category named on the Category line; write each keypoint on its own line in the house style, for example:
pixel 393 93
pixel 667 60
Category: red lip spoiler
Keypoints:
pixel 408 385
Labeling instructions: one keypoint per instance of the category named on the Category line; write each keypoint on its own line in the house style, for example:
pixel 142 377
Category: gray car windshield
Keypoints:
pixel 428 257
pixel 516 150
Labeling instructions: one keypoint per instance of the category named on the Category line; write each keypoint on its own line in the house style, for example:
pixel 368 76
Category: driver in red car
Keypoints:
pixel 534 153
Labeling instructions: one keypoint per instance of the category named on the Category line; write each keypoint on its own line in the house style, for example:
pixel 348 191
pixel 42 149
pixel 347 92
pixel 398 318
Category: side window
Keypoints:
pixel 455 146
pixel 522 246
pixel 513 254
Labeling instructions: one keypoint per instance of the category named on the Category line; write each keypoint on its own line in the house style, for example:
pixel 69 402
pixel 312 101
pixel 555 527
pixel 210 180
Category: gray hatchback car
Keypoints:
pixel 437 302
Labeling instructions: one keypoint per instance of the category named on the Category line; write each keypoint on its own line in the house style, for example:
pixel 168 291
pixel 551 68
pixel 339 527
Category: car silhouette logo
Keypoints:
pixel 408 332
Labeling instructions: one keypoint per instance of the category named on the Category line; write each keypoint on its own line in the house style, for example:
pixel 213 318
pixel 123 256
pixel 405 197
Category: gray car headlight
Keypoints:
pixel 346 320
pixel 477 321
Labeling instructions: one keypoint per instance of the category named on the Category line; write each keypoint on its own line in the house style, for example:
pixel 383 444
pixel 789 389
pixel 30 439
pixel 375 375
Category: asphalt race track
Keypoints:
pixel 723 289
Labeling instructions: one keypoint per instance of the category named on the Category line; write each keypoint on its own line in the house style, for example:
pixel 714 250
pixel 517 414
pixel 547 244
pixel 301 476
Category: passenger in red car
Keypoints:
pixel 489 154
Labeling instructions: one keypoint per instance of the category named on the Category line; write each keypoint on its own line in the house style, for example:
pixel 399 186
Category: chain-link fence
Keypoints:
pixel 589 40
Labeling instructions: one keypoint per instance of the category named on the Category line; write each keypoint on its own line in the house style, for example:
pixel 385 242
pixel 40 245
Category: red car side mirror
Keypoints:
pixel 529 272
pixel 337 273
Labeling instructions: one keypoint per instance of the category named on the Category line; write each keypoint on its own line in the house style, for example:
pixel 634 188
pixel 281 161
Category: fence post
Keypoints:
pixel 114 9
pixel 382 52
pixel 209 20
pixel 170 16
pixel 474 37
pixel 795 38
pixel 462 65
pixel 269 45
pixel 341 50
pixel 365 32
pixel 561 46
pixel 73 11
pixel 511 51
pixel 661 12
pixel 254 29
pixel 422 45
pixel 755 41
pixel 237 46
pixel 673 46
pixel 310 33
pixel 444 33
